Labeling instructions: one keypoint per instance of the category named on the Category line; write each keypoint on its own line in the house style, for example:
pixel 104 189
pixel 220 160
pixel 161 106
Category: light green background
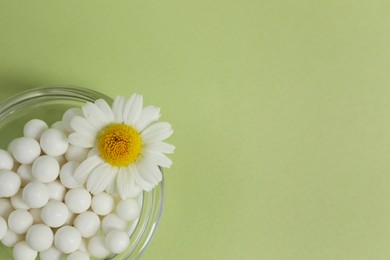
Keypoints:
pixel 281 111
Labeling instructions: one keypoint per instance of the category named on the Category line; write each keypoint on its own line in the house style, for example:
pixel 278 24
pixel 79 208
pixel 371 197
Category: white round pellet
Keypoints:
pixel 117 241
pixel 61 160
pixel 5 207
pixel 112 221
pixel 25 173
pixel 68 116
pixel 16 166
pixel 10 146
pixel 25 149
pixel 45 169
pixel 102 203
pixel 35 194
pixel 70 219
pixel 39 237
pixel 11 238
pixel 6 160
pixel 54 142
pixel 66 175
pixel 9 183
pixel 128 209
pixel 3 228
pixel 78 255
pixel 76 153
pixel 56 190
pixel 36 214
pixel 59 125
pixel 88 223
pixel 97 247
pixel 34 128
pixel 83 246
pixel 19 221
pixel 22 251
pixel 54 213
pixel 51 254
pixel 78 200
pixel 67 239
pixel 17 201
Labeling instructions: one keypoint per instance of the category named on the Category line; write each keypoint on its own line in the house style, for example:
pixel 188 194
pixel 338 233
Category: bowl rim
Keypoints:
pixel 155 198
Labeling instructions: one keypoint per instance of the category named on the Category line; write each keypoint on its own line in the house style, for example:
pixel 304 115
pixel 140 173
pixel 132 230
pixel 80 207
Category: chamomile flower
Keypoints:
pixel 127 146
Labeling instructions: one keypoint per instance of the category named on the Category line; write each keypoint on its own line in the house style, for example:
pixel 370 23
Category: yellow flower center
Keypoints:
pixel 119 144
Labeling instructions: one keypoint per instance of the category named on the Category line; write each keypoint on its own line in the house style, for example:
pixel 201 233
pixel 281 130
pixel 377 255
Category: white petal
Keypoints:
pixel 157 158
pixel 100 178
pixel 93 152
pixel 139 180
pixel 82 126
pixel 95 116
pixel 69 115
pixel 126 185
pixel 117 108
pixel 105 108
pixel 160 147
pixel 148 171
pixel 149 114
pixel 157 132
pixel 81 141
pixel 86 167
pixel 132 109
pixel 112 187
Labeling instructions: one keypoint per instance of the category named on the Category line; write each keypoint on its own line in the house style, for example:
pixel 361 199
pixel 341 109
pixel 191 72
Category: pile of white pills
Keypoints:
pixel 44 211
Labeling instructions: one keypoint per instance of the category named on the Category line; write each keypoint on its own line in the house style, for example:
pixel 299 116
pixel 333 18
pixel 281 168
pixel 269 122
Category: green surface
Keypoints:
pixel 281 111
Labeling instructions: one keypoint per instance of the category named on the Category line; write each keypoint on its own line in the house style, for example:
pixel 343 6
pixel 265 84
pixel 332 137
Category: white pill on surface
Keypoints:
pixel 9 183
pixel 78 200
pixel 102 203
pixel 78 255
pixel 67 239
pixel 25 149
pixel 59 125
pixel 128 209
pixel 5 207
pixel 6 160
pixel 36 214
pixel 35 194
pixel 45 169
pixel 10 146
pixel 68 116
pixel 17 201
pixel 83 246
pixel 112 221
pixel 88 223
pixel 54 213
pixel 19 221
pixel 34 128
pixel 25 173
pixel 71 217
pixel 67 173
pixel 51 254
pixel 57 191
pixel 61 160
pixel 117 241
pixel 22 251
pixel 97 247
pixel 11 238
pixel 39 237
pixel 76 153
pixel 3 227
pixel 54 142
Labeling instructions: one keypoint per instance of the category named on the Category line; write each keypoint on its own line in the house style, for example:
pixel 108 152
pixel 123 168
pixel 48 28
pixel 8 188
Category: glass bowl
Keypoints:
pixel 49 104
